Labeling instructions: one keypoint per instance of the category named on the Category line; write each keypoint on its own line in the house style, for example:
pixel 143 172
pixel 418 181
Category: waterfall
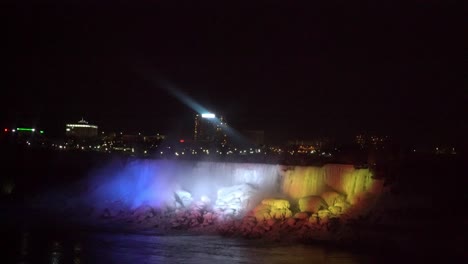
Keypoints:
pixel 155 181
pixel 301 181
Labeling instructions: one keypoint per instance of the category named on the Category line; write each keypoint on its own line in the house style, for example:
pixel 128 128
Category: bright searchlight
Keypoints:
pixel 208 115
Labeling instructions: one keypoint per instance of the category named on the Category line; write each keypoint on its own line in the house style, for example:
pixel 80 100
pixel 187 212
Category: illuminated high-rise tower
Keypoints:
pixel 209 129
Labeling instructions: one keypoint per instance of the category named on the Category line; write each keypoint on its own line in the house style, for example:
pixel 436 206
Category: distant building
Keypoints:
pixel 209 129
pixel 373 141
pixel 81 130
pixel 361 140
pixel 313 144
pixel 154 138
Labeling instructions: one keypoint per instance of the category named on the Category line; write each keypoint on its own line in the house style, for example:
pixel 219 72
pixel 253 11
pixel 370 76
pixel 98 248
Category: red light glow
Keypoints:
pixel 6 130
pixel 181 141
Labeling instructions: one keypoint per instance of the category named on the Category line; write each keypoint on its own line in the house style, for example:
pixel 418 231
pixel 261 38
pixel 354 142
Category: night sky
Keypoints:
pixel 294 71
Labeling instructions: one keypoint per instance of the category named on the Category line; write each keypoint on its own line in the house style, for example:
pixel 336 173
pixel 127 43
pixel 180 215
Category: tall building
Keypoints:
pixel 81 130
pixel 209 129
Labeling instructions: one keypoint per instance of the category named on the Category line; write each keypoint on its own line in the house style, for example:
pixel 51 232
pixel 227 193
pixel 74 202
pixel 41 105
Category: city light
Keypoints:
pixel 6 130
pixel 208 115
pixel 80 125
pixel 25 129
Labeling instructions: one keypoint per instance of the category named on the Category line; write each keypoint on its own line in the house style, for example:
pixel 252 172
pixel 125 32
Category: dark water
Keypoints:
pixel 28 236
pixel 38 247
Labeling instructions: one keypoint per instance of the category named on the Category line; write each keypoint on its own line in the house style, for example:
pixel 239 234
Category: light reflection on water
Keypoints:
pixel 210 249
pixel 142 248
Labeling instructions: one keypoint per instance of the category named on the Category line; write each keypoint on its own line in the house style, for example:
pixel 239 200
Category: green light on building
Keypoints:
pixel 25 129
pixel 30 129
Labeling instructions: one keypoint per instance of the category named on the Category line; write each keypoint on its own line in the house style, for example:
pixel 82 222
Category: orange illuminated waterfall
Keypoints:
pixel 302 181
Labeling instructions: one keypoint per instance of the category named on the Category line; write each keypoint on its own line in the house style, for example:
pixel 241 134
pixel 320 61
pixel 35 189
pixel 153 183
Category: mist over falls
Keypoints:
pixel 236 186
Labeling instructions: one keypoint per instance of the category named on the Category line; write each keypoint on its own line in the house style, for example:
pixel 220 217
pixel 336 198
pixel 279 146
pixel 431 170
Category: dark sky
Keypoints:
pixel 294 71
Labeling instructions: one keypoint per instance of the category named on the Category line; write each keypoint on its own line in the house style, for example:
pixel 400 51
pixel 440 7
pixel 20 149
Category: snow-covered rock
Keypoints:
pixel 276 203
pixel 272 209
pixel 323 214
pixel 313 219
pixel 312 204
pixel 235 199
pixel 183 198
pixel 343 205
pixel 334 210
pixel 332 197
pixel 262 212
pixel 280 213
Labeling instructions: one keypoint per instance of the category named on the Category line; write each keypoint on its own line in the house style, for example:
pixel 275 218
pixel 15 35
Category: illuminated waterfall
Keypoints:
pixel 301 181
pixel 155 182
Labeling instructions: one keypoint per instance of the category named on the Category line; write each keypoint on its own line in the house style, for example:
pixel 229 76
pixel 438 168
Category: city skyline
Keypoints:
pixel 295 73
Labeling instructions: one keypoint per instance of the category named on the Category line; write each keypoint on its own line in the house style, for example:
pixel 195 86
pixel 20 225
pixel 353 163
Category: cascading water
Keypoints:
pixel 154 182
pixel 301 181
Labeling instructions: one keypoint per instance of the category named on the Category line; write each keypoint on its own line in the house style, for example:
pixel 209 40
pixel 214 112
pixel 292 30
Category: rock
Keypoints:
pixel 181 214
pixel 198 205
pixel 323 215
pixel 143 212
pixel 262 207
pixel 301 215
pixel 262 216
pixel 235 192
pixel 250 219
pixel 334 209
pixel 208 216
pixel 270 222
pixel 280 213
pixel 261 212
pixel 302 222
pixel 277 214
pixel 324 220
pixel 266 211
pixel 343 205
pixel 183 198
pixel 291 222
pixel 142 209
pixel 332 197
pixel 276 203
pixel 229 212
pixel 237 197
pixel 313 219
pixel 312 204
